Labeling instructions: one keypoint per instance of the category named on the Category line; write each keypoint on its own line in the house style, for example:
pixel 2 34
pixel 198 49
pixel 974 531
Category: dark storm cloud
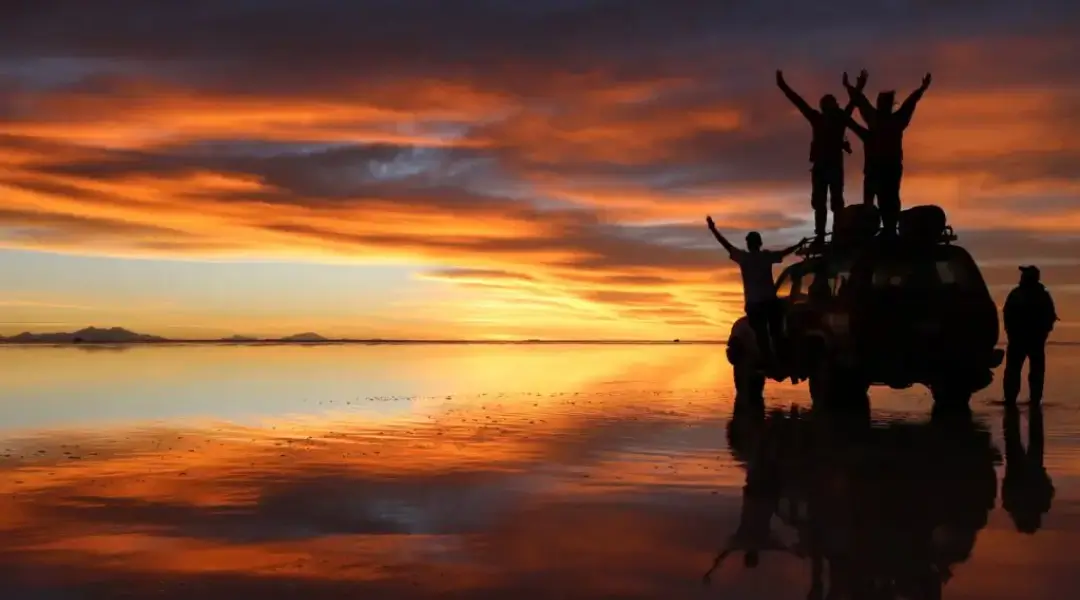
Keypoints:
pixel 336 40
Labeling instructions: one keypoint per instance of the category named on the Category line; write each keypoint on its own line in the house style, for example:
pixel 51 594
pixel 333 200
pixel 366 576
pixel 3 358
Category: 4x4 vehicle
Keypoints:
pixel 899 310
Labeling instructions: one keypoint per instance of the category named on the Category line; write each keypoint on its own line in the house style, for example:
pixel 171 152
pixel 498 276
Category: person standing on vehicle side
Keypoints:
pixel 1029 317
pixel 827 148
pixel 883 147
pixel 763 310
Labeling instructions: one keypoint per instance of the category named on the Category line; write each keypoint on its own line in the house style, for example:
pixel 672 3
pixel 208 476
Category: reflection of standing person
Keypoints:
pixel 827 147
pixel 1026 490
pixel 761 494
pixel 763 310
pixel 1029 317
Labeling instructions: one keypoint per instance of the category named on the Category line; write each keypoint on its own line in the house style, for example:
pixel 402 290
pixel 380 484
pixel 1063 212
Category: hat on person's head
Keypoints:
pixel 1031 270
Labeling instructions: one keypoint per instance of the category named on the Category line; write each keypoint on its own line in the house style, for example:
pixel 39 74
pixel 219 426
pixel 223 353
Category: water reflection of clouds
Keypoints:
pixel 573 494
pixel 196 502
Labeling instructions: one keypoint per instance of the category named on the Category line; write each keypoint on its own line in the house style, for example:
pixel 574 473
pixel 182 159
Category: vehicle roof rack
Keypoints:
pixel 817 246
pixel 948 236
pixel 821 245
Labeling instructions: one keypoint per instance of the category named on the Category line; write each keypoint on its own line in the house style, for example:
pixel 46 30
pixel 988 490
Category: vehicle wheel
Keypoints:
pixel 836 387
pixel 950 395
pixel 749 385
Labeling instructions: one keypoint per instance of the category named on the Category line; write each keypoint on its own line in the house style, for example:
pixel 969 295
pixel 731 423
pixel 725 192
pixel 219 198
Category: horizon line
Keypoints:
pixel 286 340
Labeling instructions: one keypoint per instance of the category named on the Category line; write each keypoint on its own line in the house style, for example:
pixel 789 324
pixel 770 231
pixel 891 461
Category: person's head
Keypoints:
pixel 885 102
pixel 753 241
pixel 751 559
pixel 1029 274
pixel 829 104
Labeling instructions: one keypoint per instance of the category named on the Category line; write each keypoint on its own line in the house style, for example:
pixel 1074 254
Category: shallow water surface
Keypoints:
pixel 511 471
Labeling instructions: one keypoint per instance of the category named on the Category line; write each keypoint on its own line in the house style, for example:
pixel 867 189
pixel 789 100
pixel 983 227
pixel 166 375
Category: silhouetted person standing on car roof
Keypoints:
pixel 1029 316
pixel 883 147
pixel 763 310
pixel 827 148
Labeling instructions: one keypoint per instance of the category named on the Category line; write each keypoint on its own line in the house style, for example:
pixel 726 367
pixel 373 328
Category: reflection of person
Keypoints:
pixel 827 147
pixel 1029 317
pixel 883 147
pixel 1026 490
pixel 761 494
pixel 763 310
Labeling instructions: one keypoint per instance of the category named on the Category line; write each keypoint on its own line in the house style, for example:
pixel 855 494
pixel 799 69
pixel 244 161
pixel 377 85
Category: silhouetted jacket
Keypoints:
pixel 1029 312
pixel 883 137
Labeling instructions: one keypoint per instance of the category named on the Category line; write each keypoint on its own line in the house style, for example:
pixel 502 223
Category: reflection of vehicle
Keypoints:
pixel 890 509
pixel 914 308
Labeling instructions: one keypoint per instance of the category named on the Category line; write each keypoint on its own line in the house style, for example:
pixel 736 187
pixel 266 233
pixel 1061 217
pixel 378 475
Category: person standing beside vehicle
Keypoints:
pixel 763 309
pixel 1029 317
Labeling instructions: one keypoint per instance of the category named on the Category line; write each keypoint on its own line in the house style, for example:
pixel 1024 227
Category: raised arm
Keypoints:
pixel 856 95
pixel 907 109
pixel 795 99
pixel 720 237
pixel 859 130
pixel 716 563
pixel 790 249
pixel 860 85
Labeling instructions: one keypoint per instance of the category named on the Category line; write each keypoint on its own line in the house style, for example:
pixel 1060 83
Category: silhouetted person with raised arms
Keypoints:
pixel 883 147
pixel 1029 317
pixel 763 309
pixel 1026 490
pixel 829 123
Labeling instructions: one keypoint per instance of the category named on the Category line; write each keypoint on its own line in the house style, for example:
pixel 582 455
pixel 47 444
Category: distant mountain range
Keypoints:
pixel 304 337
pixel 119 335
pixel 89 335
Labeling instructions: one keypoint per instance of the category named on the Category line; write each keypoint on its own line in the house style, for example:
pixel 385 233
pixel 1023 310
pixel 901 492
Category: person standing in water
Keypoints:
pixel 883 147
pixel 763 310
pixel 1029 316
pixel 827 147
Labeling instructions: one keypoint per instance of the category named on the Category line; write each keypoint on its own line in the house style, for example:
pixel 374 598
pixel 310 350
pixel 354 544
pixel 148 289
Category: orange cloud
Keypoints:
pixel 590 184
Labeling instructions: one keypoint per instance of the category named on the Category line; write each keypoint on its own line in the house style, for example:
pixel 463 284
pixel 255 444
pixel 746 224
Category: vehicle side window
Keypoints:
pixel 802 290
pixel 953 272
pixel 785 286
pixel 890 275
pixel 839 280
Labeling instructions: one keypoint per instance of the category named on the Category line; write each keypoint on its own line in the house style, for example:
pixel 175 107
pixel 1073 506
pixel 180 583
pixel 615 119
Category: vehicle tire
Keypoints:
pixel 950 395
pixel 749 385
pixel 832 386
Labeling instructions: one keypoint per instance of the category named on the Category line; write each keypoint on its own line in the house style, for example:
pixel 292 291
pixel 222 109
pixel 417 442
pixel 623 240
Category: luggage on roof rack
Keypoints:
pixel 857 222
pixel 925 224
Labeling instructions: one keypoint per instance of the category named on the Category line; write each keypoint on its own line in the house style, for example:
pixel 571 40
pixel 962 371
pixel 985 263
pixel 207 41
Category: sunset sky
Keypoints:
pixel 495 169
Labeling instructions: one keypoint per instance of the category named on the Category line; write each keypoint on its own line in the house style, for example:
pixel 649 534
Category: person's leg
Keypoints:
pixel 899 175
pixel 889 200
pixel 1014 364
pixel 869 187
pixel 836 192
pixel 1036 369
pixel 818 191
pixel 776 329
pixel 758 316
